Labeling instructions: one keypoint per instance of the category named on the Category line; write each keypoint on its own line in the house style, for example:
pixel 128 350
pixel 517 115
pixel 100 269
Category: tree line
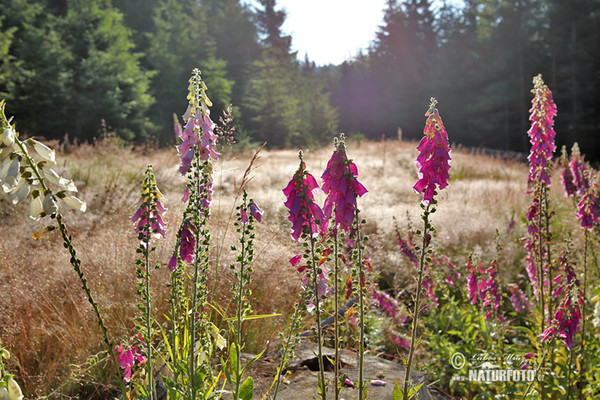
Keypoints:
pixel 78 67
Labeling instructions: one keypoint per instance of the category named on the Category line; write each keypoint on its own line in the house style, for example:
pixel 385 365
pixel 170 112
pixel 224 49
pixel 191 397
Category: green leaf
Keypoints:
pixel 398 393
pixel 247 389
pixel 251 317
pixel 251 362
pixel 220 341
pixel 413 391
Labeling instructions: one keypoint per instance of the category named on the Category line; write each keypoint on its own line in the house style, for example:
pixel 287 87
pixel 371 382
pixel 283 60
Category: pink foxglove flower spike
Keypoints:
pixel 433 161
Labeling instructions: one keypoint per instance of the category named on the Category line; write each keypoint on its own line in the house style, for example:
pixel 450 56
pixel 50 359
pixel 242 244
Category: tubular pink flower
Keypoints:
pixel 243 216
pixel 342 187
pixel 541 133
pixel 433 161
pixel 304 214
pixel 256 212
pixel 187 245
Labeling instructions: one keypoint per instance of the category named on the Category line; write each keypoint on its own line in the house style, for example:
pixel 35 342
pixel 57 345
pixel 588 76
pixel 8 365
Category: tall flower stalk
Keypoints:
pixel 197 154
pixel 538 243
pixel 588 215
pixel 342 188
pixel 148 222
pixel 308 222
pixel 433 163
pixel 27 174
pixel 248 213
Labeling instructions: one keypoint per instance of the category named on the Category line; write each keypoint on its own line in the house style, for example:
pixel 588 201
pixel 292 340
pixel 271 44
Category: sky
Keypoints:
pixel 331 31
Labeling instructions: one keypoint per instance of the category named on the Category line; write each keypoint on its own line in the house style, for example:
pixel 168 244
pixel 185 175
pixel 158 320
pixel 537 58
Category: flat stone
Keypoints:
pixel 302 382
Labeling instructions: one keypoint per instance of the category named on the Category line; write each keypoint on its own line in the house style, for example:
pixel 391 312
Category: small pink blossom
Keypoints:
pixel 256 212
pixel 295 260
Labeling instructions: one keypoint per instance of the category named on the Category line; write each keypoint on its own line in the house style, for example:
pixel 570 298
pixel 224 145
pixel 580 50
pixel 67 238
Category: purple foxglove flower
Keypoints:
pixel 295 260
pixel 541 133
pixel 342 187
pixel 256 212
pixel 433 161
pixel 304 214
pixel 243 216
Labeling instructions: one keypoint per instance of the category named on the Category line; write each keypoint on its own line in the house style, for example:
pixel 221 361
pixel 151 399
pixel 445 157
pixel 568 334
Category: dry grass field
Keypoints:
pixel 46 321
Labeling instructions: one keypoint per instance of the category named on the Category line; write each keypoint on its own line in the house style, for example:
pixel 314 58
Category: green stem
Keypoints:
pixel 174 323
pixel 361 304
pixel 76 263
pixel 197 259
pixel 148 317
pixel 286 346
pixel 548 249
pixel 318 316
pixel 541 260
pixel 542 197
pixel 238 349
pixel 336 307
pixel 583 316
pixel 417 301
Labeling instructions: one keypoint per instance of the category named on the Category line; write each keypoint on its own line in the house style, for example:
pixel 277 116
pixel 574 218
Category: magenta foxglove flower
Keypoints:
pixel 126 358
pixel 398 340
pixel 256 212
pixel 541 133
pixel 472 280
pixel 490 293
pixel 304 213
pixel 433 161
pixel 187 246
pixel 198 133
pixel 567 317
pixel 387 303
pixel 407 247
pixel 518 299
pixel 342 187
pixel 150 212
pixel 588 207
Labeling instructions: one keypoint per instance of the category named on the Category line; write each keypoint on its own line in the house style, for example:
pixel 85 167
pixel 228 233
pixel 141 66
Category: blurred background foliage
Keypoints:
pixel 82 67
